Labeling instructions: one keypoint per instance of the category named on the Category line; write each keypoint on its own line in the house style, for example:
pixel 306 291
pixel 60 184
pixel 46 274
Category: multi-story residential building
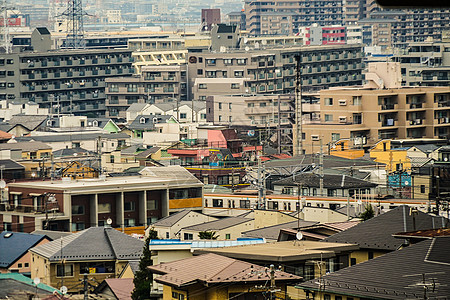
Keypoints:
pixel 425 64
pixel 366 115
pixel 68 81
pixel 73 205
pixel 210 17
pixel 155 84
pixel 324 35
pixel 299 12
pixel 275 70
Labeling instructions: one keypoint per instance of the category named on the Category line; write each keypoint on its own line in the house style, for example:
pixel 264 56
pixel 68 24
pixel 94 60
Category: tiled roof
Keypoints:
pixel 219 224
pixel 376 233
pixel 93 243
pixel 72 137
pixel 136 107
pixel 213 268
pixel 13 283
pixel 148 122
pixel 172 219
pixel 329 161
pixel 396 275
pixel 15 244
pixel 25 146
pixel 28 121
pixel 52 235
pixel 272 232
pixel 329 181
pixel 9 164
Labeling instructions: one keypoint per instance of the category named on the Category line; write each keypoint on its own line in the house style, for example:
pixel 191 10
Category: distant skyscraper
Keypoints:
pixel 210 16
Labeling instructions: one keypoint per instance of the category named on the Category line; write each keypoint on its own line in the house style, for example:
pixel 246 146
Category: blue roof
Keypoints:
pixel 15 244
pixel 209 243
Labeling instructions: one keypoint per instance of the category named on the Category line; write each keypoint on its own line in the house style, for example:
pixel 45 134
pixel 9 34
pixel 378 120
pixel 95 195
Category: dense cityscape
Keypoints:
pixel 256 149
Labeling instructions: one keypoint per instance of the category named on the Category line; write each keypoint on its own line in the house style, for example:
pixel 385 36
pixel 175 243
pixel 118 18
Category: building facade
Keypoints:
pixel 365 115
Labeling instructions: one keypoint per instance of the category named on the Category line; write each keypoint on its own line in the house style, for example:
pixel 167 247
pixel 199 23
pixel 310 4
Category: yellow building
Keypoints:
pixel 97 251
pixel 342 149
pixel 395 159
pixel 215 277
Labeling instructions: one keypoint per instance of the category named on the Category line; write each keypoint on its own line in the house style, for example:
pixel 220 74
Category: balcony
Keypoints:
pixel 388 123
pixel 416 122
pixel 388 106
pixel 416 106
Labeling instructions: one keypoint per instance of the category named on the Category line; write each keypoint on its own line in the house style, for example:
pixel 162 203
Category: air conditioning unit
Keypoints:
pixel 314 137
pixel 342 102
pixel 342 119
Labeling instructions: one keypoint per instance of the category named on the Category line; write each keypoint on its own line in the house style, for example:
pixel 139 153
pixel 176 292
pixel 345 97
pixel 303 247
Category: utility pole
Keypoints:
pixel 321 169
pixel 85 287
pixel 272 282
pixel 298 108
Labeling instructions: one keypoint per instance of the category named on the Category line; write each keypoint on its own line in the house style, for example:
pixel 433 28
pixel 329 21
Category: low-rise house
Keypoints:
pixel 20 125
pixel 14 255
pixel 271 233
pixel 333 185
pixel 213 276
pixel 101 252
pixel 418 271
pixel 28 149
pixel 169 227
pixel 115 288
pixel 147 123
pixel 19 286
pixel 374 236
pixel 296 257
pixel 229 228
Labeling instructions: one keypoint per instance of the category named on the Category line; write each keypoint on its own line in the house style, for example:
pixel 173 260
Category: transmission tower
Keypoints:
pixel 75 31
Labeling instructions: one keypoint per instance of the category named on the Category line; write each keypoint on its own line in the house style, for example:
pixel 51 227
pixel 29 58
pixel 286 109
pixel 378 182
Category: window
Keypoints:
pixel 104 208
pixel 241 61
pixel 130 222
pixel 10 61
pixel 199 71
pixel 19 266
pixel 211 61
pixel 64 270
pixel 152 204
pixel 370 255
pixel 227 236
pixel 114 88
pixel 202 86
pixel 78 226
pixel 220 105
pixel 422 189
pixel 244 203
pixel 167 235
pixel 77 209
pixel 97 267
pixel 7 226
pixel 335 137
pixel 229 106
pixel 188 236
pixel 26 265
pixel 129 206
pixel 111 159
pixel 328 118
pixel 352 261
pixel 228 61
pixel 10 73
pixel 238 74
pixel 217 203
pixel 183 116
pixel 328 101
pixel 235 85
pixel 262 104
pixel 10 84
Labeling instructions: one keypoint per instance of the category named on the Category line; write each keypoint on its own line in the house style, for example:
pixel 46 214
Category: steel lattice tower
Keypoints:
pixel 75 31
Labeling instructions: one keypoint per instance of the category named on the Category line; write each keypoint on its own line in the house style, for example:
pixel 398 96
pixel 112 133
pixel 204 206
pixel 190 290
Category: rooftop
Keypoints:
pixel 287 251
pixel 219 224
pixel 212 268
pixel 14 245
pixel 94 243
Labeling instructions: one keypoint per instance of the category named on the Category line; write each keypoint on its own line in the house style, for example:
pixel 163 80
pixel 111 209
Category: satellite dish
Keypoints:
pixel 247 48
pixel 37 280
pixel 63 289
pixel 109 221
pixel 299 236
pixel 2 184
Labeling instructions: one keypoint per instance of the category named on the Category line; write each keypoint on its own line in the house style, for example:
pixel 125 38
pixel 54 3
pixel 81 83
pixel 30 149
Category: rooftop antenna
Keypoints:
pixel 75 31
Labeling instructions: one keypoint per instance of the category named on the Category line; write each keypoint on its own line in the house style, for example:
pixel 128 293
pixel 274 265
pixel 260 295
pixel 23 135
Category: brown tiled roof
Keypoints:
pixel 121 287
pixel 425 233
pixel 5 135
pixel 212 268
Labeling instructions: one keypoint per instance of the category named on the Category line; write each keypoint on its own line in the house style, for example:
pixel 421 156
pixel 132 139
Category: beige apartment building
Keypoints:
pixel 367 115
pixel 156 84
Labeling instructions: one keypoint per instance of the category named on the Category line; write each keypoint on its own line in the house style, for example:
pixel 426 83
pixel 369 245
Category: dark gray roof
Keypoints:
pixel 427 148
pixel 24 146
pixel 396 275
pixel 131 150
pixel 330 181
pixel 329 161
pixel 134 265
pixel 272 232
pixel 15 244
pixel 51 234
pixel 376 233
pixel 71 152
pixel 42 30
pixel 72 137
pixel 147 122
pixel 92 244
pixel 218 224
pixel 148 152
pixel 27 121
pixel 172 219
pixel 10 164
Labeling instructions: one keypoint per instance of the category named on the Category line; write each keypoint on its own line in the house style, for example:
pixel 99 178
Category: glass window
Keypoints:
pixel 64 270
pixel 104 208
pixel 217 203
pixel 77 209
pixel 188 236
pixel 97 267
pixel 152 204
pixel 129 206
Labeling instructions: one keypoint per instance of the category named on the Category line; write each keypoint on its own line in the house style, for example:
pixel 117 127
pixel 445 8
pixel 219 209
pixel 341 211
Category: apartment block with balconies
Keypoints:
pixel 275 70
pixel 366 115
pixel 155 84
pixel 69 81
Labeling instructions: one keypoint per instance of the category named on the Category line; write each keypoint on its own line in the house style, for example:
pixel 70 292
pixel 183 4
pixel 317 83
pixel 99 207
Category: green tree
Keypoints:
pixel 143 277
pixel 207 235
pixel 368 213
